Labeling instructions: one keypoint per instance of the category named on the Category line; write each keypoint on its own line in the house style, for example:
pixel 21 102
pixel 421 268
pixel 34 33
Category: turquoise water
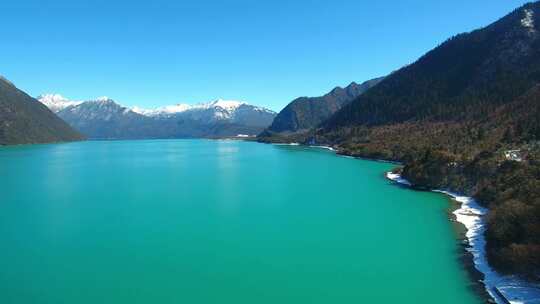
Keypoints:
pixel 196 221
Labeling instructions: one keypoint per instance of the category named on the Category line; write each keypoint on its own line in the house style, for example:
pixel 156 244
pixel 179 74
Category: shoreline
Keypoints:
pixel 464 257
pixel 502 289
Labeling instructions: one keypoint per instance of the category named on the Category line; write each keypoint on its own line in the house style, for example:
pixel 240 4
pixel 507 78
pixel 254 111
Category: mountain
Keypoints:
pixel 105 119
pixel 220 118
pixel 305 113
pixel 465 117
pixel 23 120
pixel 214 112
pixel 461 79
pixel 56 102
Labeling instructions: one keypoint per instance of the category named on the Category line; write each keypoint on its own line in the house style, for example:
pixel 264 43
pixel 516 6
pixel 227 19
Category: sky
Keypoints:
pixel 161 52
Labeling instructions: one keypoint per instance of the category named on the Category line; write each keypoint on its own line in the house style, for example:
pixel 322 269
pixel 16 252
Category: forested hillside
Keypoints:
pixel 305 113
pixel 24 120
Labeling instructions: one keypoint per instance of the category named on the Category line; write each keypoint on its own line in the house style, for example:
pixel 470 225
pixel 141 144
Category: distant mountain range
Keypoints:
pixel 103 118
pixel 23 120
pixel 305 113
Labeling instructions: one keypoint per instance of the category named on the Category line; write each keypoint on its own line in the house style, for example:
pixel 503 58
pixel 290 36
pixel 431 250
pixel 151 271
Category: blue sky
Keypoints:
pixel 154 53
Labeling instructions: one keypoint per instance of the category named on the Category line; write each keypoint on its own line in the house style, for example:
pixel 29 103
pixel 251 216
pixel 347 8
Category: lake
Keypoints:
pixel 202 221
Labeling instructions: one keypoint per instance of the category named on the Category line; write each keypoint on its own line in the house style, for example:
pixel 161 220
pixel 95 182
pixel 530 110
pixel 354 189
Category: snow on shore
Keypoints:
pixel 397 178
pixel 323 147
pixel 289 144
pixel 471 215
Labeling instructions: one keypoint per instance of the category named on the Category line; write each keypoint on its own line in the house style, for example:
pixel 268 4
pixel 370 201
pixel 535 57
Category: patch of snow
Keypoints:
pixel 528 20
pixel 163 111
pixel 56 102
pixel 103 98
pixel 471 215
pixel 103 103
pixel 264 110
pixel 397 178
pixel 141 111
pixel 229 105
pixel 324 147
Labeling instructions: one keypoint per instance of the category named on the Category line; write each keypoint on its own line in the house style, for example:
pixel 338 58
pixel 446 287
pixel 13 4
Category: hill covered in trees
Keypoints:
pixel 24 120
pixel 305 113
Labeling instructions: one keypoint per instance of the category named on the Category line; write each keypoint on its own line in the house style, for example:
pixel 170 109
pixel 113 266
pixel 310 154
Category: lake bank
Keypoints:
pixel 502 289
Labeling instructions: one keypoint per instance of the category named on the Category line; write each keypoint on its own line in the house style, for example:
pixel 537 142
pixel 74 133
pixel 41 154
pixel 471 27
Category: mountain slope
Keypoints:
pixel 218 111
pixel 461 79
pixel 56 102
pixel 305 113
pixel 23 120
pixel 465 117
pixel 105 119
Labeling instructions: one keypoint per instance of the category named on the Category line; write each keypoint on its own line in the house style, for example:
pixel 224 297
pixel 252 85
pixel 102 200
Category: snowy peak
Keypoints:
pixel 97 111
pixel 52 99
pixel 229 105
pixel 101 106
pixel 56 102
pixel 104 99
pixel 104 118
pixel 163 111
pixel 221 108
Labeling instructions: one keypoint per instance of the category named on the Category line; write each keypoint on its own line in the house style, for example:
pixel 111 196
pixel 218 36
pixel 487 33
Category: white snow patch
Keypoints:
pixel 166 110
pixel 140 110
pixel 103 98
pixel 218 110
pixel 528 20
pixel 324 147
pixel 228 105
pixel 56 102
pixel 397 178
pixel 471 215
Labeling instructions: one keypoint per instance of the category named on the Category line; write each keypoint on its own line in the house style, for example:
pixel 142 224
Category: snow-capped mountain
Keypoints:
pixel 228 106
pixel 103 108
pixel 218 110
pixel 104 118
pixel 56 102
